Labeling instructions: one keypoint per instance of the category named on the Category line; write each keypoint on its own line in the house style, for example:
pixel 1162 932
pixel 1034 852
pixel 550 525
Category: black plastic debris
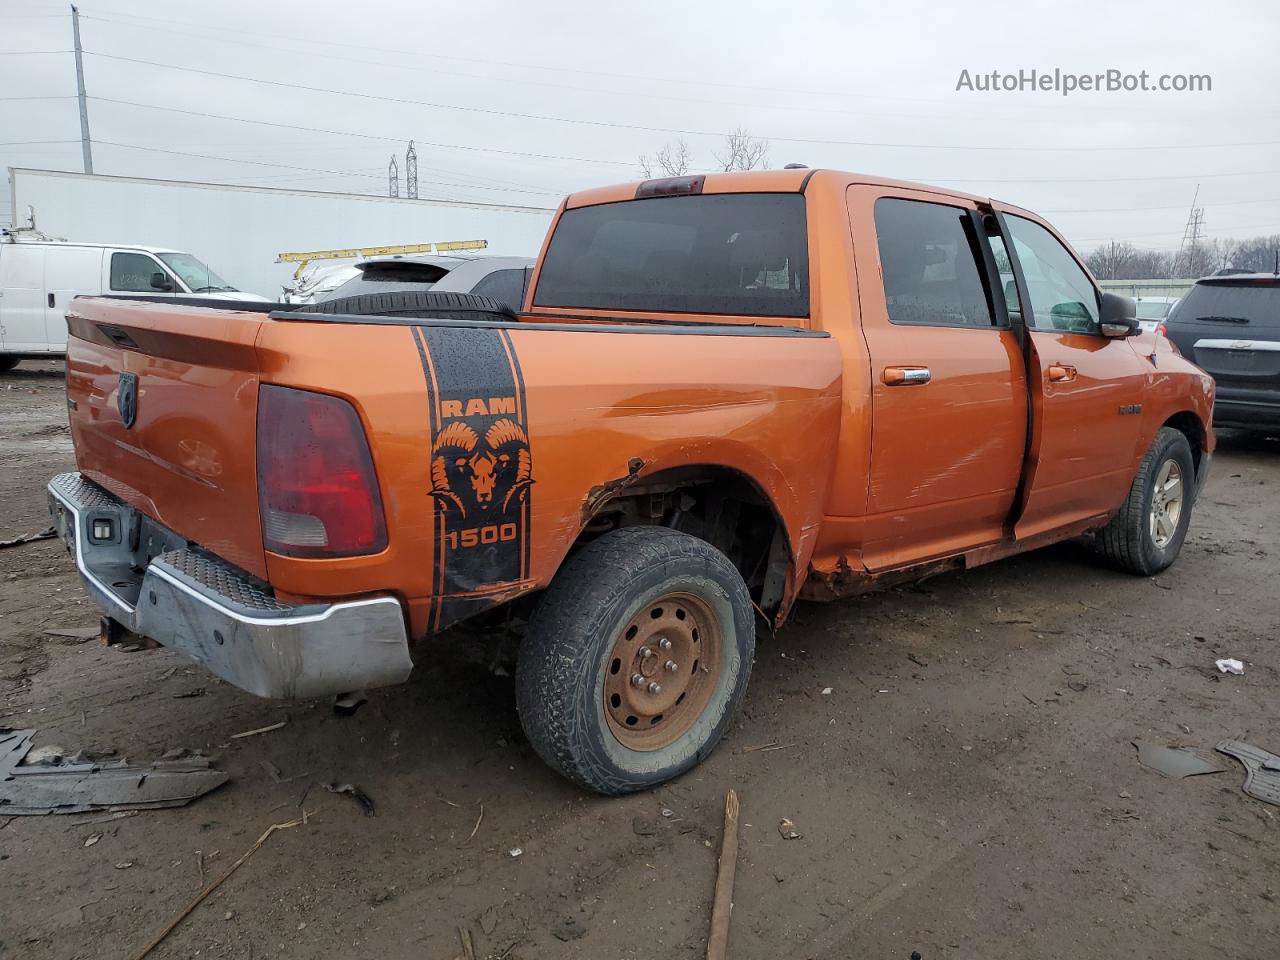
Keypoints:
pixel 359 796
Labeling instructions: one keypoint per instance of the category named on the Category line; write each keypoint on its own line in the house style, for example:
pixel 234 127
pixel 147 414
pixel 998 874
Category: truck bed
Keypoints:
pixel 492 441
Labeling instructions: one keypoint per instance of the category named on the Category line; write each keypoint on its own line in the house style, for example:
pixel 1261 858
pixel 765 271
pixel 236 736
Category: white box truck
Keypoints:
pixel 241 229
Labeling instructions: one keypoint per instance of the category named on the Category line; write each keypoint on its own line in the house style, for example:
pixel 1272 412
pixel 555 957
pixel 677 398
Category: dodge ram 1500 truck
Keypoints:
pixel 723 393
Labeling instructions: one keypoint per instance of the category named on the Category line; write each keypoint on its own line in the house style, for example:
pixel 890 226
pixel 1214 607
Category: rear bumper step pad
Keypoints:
pixel 220 616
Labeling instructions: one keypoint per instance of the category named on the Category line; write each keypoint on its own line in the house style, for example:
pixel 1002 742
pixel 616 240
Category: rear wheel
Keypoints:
pixel 1146 535
pixel 7 363
pixel 636 659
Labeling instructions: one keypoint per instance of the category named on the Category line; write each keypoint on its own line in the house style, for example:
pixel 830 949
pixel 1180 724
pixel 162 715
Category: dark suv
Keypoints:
pixel 1230 326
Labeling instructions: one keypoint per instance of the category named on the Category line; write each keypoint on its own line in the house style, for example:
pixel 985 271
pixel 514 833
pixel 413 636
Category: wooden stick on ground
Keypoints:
pixel 214 886
pixel 722 906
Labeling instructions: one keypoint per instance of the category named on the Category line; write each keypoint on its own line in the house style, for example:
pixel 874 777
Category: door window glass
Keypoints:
pixel 132 272
pixel 929 264
pixel 1062 296
pixel 1004 267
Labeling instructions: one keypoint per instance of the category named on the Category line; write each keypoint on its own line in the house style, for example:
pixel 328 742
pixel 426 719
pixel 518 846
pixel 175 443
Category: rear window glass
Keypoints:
pixel 730 254
pixel 506 286
pixel 1232 306
pixel 389 276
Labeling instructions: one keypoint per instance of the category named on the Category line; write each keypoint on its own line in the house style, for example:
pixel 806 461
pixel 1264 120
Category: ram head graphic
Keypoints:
pixel 475 474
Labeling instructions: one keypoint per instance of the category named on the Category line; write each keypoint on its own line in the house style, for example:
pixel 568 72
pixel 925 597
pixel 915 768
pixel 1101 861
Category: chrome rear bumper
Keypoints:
pixel 194 603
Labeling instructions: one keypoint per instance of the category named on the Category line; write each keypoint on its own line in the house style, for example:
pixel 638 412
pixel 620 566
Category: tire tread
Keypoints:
pixel 589 585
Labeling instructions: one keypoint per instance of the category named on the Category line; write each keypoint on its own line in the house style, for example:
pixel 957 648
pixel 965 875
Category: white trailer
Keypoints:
pixel 239 230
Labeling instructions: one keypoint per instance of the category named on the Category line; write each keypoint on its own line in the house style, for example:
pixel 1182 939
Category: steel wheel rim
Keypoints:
pixel 1166 503
pixel 676 628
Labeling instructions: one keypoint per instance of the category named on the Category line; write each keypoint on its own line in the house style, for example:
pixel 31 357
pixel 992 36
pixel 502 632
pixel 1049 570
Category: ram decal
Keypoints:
pixel 480 471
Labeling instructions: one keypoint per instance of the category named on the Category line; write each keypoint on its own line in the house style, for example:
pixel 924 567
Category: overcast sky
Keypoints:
pixel 880 77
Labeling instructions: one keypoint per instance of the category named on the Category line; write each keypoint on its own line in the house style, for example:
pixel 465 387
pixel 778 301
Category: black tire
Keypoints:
pixel 563 659
pixel 1127 540
pixel 424 305
pixel 8 363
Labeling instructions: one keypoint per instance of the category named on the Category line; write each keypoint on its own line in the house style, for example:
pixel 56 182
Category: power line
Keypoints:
pixel 631 164
pixel 57 96
pixel 513 114
pixel 1172 206
pixel 1187 176
pixel 29 53
pixel 31 143
pixel 521 81
pixel 365 136
pixel 290 166
pixel 149 23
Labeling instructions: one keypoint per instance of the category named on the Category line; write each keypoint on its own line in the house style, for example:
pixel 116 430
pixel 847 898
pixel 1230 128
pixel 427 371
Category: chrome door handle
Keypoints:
pixel 906 376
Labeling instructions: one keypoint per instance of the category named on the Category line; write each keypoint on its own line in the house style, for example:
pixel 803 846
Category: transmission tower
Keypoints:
pixel 393 178
pixel 1191 234
pixel 411 172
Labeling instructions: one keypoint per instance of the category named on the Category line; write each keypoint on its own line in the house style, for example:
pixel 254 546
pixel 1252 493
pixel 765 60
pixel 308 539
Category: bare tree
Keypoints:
pixel 670 161
pixel 1149 265
pixel 1258 254
pixel 742 151
pixel 1110 261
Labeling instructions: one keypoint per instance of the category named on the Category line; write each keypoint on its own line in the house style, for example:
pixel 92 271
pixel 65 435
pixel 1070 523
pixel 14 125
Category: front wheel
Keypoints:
pixel 636 659
pixel 1145 536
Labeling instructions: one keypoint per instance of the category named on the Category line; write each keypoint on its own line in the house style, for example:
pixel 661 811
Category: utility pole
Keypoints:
pixel 411 172
pixel 393 177
pixel 1191 235
pixel 85 144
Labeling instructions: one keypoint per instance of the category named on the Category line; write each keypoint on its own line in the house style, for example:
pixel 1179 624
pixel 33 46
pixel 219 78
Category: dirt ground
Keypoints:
pixel 967 789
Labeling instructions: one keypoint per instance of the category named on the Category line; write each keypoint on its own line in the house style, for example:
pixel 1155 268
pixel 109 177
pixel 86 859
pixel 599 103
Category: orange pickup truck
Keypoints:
pixel 723 393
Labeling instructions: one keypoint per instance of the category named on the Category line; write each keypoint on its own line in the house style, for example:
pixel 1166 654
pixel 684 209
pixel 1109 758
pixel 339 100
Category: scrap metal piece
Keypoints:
pixel 1173 763
pixel 48 533
pixel 1262 769
pixel 95 786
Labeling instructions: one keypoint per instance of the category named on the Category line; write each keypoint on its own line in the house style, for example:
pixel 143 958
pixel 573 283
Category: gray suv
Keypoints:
pixel 1230 326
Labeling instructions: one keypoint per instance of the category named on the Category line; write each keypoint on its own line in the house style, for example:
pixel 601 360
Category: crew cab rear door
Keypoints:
pixel 948 383
pixel 1086 389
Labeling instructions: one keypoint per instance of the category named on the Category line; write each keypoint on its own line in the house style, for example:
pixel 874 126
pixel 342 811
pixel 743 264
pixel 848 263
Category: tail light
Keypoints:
pixel 317 491
pixel 1162 329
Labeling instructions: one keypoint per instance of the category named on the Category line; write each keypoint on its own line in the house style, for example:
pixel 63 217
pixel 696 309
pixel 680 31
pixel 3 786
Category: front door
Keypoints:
pixel 949 394
pixel 131 272
pixel 1086 389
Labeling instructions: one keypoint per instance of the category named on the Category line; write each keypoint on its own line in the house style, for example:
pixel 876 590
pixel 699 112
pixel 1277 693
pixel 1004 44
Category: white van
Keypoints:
pixel 38 278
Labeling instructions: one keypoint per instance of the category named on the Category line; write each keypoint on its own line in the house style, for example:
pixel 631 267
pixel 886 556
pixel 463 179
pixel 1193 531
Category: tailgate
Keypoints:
pixel 162 402
pixel 1245 361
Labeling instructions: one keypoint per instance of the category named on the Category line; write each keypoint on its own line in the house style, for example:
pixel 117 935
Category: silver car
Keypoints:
pixel 503 278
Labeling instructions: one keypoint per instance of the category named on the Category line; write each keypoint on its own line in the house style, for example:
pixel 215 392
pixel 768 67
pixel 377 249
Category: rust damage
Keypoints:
pixel 603 492
pixel 845 581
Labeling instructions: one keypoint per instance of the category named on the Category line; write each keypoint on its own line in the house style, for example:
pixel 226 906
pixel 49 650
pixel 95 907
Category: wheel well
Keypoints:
pixel 1189 425
pixel 716 504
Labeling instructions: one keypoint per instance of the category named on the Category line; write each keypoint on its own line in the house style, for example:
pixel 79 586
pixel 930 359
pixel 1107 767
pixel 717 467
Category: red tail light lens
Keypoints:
pixel 317 492
pixel 1162 329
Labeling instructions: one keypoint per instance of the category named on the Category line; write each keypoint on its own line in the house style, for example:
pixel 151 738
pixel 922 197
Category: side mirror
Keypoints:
pixel 161 281
pixel 1117 317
